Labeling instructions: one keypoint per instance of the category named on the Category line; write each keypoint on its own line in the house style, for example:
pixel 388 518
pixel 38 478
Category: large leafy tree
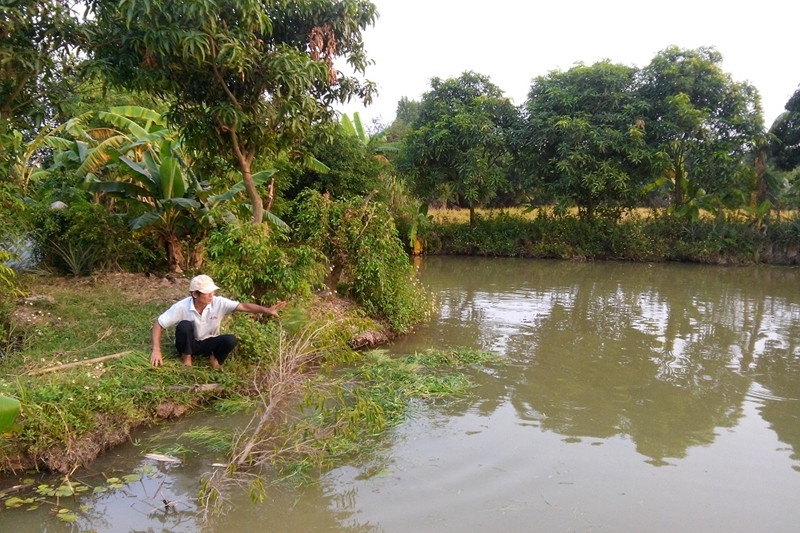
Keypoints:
pixel 701 123
pixel 458 145
pixel 583 137
pixel 247 78
pixel 36 39
pixel 785 145
pixel 36 45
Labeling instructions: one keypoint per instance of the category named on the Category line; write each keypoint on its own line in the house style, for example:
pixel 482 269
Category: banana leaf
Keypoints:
pixel 9 411
pixel 172 185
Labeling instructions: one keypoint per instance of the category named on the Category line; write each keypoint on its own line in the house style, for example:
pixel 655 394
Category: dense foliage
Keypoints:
pixel 263 267
pixel 604 138
pixel 247 78
pixel 656 237
pixel 366 259
pixel 786 135
pixel 583 136
pixel 35 55
pixel 700 124
pixel 351 167
pixel 458 147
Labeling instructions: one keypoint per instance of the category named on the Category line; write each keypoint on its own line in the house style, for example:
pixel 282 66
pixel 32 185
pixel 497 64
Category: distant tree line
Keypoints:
pixel 679 133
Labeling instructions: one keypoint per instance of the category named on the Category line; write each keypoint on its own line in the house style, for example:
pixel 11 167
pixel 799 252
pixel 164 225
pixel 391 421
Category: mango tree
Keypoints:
pixel 36 39
pixel 246 78
pixel 701 124
pixel 458 147
pixel 785 141
pixel 583 137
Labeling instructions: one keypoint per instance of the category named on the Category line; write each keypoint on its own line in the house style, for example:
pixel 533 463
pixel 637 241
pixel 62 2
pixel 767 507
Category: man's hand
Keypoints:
pixel 273 311
pixel 155 356
pixel 156 359
pixel 260 309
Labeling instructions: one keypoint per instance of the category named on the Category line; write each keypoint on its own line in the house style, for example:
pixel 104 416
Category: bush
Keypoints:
pixel 83 237
pixel 366 259
pixel 660 238
pixel 255 265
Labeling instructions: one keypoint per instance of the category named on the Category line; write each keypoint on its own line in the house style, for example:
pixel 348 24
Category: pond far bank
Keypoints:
pixel 652 236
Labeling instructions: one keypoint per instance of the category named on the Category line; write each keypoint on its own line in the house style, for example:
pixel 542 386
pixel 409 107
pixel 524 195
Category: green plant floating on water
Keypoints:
pixel 66 515
pixel 52 493
pixel 67 488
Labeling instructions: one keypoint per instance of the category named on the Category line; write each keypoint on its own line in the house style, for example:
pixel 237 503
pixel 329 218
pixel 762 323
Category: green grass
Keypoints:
pixel 70 321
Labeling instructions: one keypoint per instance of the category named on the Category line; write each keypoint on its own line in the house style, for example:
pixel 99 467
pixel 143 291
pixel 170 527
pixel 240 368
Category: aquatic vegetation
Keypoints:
pixel 64 495
pixel 342 415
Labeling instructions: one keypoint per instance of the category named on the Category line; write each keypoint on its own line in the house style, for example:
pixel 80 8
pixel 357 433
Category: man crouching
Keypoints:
pixel 197 320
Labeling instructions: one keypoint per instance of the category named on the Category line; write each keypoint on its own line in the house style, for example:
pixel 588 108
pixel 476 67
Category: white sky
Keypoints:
pixel 514 41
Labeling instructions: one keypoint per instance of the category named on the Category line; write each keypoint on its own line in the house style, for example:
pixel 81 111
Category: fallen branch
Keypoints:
pixel 15 489
pixel 78 363
pixel 200 387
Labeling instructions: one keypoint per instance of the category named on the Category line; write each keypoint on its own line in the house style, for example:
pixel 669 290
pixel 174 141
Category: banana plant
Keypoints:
pixel 160 184
pixel 135 157
pixel 376 143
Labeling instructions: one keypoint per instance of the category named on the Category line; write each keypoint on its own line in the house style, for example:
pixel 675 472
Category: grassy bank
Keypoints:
pixel 79 363
pixel 642 236
pixel 74 407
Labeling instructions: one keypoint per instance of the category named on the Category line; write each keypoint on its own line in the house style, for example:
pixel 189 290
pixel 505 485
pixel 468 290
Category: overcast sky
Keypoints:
pixel 514 41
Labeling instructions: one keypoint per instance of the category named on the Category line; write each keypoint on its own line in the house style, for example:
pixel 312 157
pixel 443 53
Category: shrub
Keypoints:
pixel 659 238
pixel 260 266
pixel 83 236
pixel 366 258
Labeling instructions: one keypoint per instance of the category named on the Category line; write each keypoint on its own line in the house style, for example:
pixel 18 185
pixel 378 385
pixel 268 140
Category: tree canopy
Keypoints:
pixel 36 39
pixel 583 136
pixel 785 145
pixel 36 49
pixel 700 122
pixel 458 145
pixel 246 78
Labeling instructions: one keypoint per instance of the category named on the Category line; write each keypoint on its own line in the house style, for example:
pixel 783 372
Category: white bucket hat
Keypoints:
pixel 202 283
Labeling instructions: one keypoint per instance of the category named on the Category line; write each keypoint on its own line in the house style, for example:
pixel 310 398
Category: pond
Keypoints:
pixel 629 397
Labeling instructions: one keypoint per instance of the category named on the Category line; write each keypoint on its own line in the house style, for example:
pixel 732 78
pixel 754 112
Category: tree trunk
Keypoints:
pixel 197 255
pixel 174 253
pixel 245 164
pixel 759 193
pixel 679 174
pixel 255 199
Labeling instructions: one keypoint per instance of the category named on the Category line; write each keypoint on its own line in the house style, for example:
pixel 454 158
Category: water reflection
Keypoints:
pixel 662 354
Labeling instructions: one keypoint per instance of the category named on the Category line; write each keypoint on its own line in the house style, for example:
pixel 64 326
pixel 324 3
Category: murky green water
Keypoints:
pixel 633 398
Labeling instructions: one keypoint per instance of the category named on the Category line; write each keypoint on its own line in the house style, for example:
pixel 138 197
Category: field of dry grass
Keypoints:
pixel 459 215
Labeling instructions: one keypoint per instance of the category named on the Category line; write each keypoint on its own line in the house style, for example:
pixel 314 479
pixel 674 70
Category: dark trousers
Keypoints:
pixel 219 346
